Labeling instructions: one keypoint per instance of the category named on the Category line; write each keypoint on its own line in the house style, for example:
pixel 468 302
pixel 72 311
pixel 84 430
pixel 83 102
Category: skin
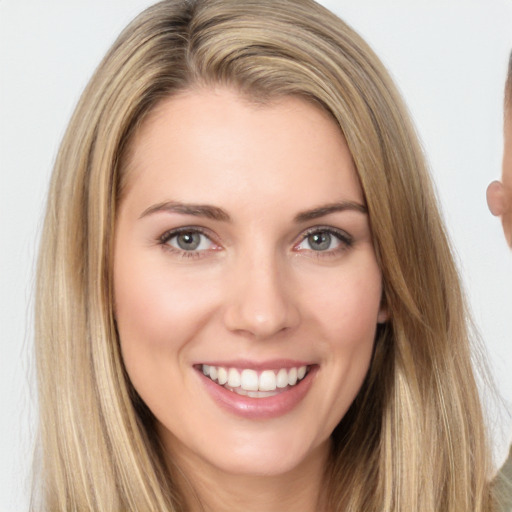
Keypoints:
pixel 499 194
pixel 254 289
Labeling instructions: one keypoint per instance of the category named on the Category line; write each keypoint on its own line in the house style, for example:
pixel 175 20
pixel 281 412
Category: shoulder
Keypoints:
pixel 503 485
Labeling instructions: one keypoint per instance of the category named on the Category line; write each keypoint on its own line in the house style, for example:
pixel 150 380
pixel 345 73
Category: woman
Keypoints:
pixel 246 298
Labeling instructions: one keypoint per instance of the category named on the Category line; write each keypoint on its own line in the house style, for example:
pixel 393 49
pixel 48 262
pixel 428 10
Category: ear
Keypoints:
pixel 383 314
pixel 496 198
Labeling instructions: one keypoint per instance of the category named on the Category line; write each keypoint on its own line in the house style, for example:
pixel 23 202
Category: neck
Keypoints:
pixel 206 488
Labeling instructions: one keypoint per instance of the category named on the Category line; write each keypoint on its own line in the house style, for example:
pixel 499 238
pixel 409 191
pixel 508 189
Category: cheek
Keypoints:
pixel 153 303
pixel 348 308
pixel 158 314
pixel 506 220
pixel 346 315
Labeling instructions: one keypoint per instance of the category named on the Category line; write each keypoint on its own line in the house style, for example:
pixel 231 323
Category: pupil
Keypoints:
pixel 320 241
pixel 189 241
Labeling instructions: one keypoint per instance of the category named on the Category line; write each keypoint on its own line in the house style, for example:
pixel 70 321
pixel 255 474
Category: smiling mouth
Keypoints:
pixel 254 384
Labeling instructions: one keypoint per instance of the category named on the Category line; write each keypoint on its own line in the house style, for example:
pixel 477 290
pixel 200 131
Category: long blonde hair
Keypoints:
pixel 414 439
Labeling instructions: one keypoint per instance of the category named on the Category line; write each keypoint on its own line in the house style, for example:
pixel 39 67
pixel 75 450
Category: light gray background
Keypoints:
pixel 449 59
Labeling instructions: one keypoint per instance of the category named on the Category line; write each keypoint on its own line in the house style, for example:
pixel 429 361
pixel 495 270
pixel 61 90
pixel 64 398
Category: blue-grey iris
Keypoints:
pixel 320 241
pixel 188 241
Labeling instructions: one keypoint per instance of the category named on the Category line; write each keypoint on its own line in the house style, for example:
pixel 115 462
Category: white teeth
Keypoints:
pixel 249 383
pixel 222 375
pixel 260 394
pixel 249 380
pixel 282 378
pixel 234 378
pixel 292 376
pixel 267 381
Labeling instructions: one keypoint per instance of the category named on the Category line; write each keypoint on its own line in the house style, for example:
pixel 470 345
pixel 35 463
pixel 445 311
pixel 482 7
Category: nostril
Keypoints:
pixel 261 322
pixel 261 304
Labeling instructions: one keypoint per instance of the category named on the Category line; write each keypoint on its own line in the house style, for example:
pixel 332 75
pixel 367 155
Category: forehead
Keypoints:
pixel 214 140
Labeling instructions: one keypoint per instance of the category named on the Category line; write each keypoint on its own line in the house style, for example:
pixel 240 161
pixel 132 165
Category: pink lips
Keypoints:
pixel 259 408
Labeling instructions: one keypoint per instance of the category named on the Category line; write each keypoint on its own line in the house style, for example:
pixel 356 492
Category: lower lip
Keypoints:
pixel 259 408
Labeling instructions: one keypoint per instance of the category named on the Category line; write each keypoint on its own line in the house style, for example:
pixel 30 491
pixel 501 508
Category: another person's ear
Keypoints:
pixel 497 199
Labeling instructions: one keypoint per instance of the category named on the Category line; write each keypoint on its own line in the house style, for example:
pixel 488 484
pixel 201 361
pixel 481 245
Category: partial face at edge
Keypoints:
pixel 243 245
pixel 499 194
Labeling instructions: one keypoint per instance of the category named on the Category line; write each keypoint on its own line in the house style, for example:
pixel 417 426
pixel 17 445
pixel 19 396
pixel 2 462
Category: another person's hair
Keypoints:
pixel 508 85
pixel 414 438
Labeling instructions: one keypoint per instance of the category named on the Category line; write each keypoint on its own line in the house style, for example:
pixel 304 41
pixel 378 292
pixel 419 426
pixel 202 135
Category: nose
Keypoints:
pixel 261 300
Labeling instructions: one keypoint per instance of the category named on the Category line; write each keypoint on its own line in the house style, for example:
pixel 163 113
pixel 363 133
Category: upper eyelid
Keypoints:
pixel 343 235
pixel 330 229
pixel 167 235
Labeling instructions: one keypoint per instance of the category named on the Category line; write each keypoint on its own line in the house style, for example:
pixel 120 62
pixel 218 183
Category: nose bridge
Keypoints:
pixel 260 300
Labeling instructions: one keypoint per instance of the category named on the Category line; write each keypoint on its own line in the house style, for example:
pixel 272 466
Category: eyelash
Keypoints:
pixel 169 235
pixel 346 241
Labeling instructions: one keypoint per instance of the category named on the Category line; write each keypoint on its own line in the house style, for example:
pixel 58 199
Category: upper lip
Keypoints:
pixel 274 364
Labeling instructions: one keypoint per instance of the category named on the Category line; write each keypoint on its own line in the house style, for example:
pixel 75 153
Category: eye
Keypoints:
pixel 187 240
pixel 321 239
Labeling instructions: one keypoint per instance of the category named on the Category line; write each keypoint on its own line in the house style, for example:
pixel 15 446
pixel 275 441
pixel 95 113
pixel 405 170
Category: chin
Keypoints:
pixel 269 457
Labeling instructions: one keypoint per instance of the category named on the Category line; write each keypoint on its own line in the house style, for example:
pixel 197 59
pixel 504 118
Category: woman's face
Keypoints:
pixel 247 291
pixel 506 216
pixel 499 194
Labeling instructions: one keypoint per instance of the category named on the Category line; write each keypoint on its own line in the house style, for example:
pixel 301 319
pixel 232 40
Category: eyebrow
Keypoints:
pixel 216 213
pixel 321 211
pixel 198 210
